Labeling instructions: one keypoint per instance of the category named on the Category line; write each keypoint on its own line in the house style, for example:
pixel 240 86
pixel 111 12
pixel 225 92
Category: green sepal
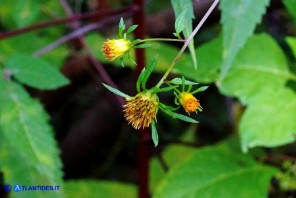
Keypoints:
pixel 180 23
pixel 131 29
pixel 121 28
pixel 121 61
pixel 116 91
pixel 154 134
pixel 180 81
pixel 142 45
pixel 177 115
pixel 203 88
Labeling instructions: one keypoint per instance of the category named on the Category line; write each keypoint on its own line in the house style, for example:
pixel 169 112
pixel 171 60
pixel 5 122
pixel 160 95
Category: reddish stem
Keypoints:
pixel 143 148
pixel 97 16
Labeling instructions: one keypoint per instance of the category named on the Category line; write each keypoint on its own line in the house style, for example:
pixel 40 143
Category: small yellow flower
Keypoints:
pixel 189 102
pixel 116 48
pixel 141 109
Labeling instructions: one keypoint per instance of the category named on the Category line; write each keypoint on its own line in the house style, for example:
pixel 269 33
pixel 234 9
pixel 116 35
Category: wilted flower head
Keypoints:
pixel 141 109
pixel 115 48
pixel 189 102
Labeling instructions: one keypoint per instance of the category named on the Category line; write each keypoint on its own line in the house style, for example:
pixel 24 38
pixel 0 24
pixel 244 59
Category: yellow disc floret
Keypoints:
pixel 189 102
pixel 115 48
pixel 141 109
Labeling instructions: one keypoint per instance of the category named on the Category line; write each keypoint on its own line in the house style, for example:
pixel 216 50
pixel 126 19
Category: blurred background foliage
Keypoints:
pixel 59 126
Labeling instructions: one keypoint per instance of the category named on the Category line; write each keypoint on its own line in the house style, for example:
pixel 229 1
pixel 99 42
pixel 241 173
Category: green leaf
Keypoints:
pixel 116 91
pixel 292 43
pixel 93 188
pixel 35 72
pixel 179 6
pixel 121 28
pixel 216 172
pixel 148 71
pixel 203 88
pixel 260 77
pixel 209 62
pixel 180 22
pixel 28 151
pixel 165 89
pixel 131 29
pixel 26 43
pixel 25 12
pixel 140 80
pixel 270 120
pixel 236 29
pixel 179 81
pixel 291 7
pixel 154 134
pixel 177 115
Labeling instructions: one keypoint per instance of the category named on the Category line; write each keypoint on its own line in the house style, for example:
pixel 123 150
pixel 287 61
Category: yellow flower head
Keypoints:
pixel 141 109
pixel 189 102
pixel 116 48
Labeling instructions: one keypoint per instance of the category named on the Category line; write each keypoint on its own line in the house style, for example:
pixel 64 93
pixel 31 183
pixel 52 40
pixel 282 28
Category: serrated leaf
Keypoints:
pixel 259 78
pixel 179 6
pixel 179 81
pixel 25 12
pixel 180 22
pixel 270 120
pixel 35 72
pixel 29 153
pixel 209 62
pixel 236 29
pixel 154 134
pixel 291 7
pixel 116 91
pixel 95 188
pixel 292 43
pixel 216 172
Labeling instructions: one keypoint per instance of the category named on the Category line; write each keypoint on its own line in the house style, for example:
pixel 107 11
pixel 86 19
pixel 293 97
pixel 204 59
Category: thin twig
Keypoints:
pixel 98 15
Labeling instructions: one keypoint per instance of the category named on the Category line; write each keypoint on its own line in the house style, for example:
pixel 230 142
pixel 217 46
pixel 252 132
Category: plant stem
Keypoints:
pixel 187 42
pixel 162 39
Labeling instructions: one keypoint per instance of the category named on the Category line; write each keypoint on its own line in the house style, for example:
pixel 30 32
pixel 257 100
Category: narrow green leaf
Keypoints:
pixel 158 90
pixel 180 22
pixel 121 28
pixel 134 42
pixel 154 134
pixel 236 29
pixel 28 151
pixel 292 43
pixel 179 6
pixel 36 72
pixel 95 188
pixel 131 29
pixel 203 88
pixel 179 116
pixel 148 71
pixel 216 171
pixel 116 91
pixel 140 80
pixel 179 81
